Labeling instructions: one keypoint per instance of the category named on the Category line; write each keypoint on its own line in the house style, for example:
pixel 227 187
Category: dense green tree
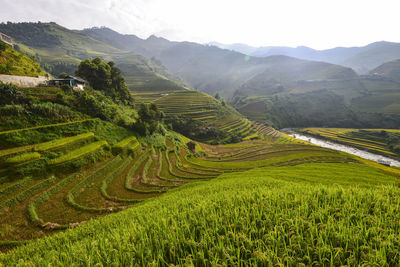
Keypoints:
pixel 10 95
pixel 3 46
pixel 105 77
pixel 194 129
pixel 63 75
pixel 150 119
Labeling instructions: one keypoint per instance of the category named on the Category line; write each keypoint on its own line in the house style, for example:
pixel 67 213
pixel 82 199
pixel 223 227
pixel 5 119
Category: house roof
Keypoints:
pixel 70 77
pixel 79 79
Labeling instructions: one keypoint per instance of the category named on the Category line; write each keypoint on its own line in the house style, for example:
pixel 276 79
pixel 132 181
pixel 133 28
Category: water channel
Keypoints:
pixel 351 150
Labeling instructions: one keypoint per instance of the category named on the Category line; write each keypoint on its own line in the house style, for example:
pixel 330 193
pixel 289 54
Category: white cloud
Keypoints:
pixel 315 23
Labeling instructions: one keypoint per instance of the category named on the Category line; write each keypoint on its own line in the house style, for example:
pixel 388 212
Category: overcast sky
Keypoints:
pixel 319 24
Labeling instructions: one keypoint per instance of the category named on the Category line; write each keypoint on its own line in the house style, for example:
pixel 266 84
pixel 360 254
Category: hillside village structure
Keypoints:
pixel 7 39
pixel 76 83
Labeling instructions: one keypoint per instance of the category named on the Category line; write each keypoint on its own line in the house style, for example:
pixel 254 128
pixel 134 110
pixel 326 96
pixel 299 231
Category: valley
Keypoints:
pixel 354 148
pixel 154 152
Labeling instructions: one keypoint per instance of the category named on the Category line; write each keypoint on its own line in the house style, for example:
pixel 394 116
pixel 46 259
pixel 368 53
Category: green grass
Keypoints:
pixel 32 207
pixel 200 106
pixel 72 194
pixel 62 142
pixel 23 157
pixel 297 155
pixel 16 63
pixel 105 185
pixel 326 214
pixel 77 153
pixel 129 142
pixel 61 49
pixel 13 131
pixel 27 193
pixel 14 150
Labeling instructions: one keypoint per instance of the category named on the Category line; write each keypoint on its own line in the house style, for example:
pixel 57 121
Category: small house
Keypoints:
pixel 7 39
pixel 76 83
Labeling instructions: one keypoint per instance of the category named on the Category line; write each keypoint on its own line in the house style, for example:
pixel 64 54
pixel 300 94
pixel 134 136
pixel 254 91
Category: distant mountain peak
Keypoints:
pixel 154 37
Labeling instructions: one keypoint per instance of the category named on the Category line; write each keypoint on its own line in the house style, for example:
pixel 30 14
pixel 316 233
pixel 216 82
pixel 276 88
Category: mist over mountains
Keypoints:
pixel 362 59
pixel 279 85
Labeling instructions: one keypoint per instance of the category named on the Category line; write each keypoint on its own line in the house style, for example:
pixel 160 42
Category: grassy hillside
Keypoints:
pixel 13 62
pixel 362 59
pixel 211 69
pixel 65 164
pixel 295 92
pixel 63 174
pixel 266 216
pixel 390 70
pixel 287 91
pixel 212 113
pixel 367 102
pixel 60 49
pixel 373 55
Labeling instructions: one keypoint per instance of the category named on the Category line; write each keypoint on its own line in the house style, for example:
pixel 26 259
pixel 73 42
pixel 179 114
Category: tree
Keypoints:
pixel 217 96
pixel 3 46
pixel 191 145
pixel 105 77
pixel 67 89
pixel 62 75
pixel 121 90
pixel 10 95
pixel 150 118
pixel 97 73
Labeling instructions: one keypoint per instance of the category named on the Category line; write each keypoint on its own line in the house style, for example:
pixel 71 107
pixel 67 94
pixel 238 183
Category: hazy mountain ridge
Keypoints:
pixel 362 59
pixel 285 84
pixel 212 69
pixel 60 49
pixel 390 70
pixel 295 92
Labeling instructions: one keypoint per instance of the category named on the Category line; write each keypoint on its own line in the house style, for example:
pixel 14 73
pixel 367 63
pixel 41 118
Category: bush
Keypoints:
pixel 10 95
pixel 12 110
pixel 66 89
pixel 3 46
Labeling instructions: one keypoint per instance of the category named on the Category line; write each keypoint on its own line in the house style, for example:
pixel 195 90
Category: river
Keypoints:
pixel 351 150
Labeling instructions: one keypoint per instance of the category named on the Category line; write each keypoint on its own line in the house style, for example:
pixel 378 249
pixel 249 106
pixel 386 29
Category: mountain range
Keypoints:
pixel 362 59
pixel 59 49
pixel 282 90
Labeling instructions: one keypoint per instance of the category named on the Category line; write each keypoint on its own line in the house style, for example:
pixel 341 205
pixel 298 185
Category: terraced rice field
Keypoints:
pixel 42 92
pixel 374 140
pixel 125 174
pixel 267 131
pixel 148 97
pixel 203 107
pixel 319 214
